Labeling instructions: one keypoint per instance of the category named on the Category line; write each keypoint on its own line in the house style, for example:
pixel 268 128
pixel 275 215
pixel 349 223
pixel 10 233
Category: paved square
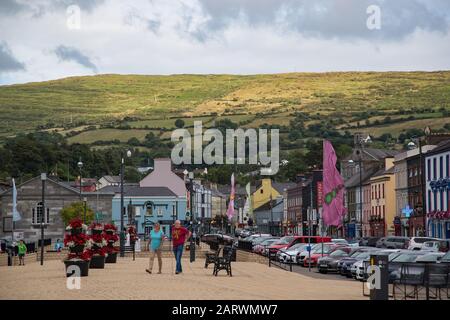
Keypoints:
pixel 127 279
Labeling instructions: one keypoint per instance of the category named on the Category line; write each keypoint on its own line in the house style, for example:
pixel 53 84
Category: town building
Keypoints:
pixel 58 195
pixel 383 204
pixel 106 181
pixel 163 176
pixel 269 216
pixel 437 167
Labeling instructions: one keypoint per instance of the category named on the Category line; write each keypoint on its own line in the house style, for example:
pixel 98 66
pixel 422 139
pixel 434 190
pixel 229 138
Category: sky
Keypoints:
pixel 51 39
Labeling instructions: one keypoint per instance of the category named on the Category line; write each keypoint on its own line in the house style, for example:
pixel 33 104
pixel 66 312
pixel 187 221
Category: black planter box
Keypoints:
pixel 111 258
pixel 83 265
pixel 97 262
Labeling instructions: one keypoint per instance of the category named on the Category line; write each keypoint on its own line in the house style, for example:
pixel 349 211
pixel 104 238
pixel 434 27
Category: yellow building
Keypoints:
pixel 267 189
pixel 383 202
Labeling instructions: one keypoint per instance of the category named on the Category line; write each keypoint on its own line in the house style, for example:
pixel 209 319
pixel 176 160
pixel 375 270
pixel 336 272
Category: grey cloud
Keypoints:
pixel 7 61
pixel 133 16
pixel 65 53
pixel 331 18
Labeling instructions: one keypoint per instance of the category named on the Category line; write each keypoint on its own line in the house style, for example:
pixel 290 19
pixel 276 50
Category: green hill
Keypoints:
pixel 136 102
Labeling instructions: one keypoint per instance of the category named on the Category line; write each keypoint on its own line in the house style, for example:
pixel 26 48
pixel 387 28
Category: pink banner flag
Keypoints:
pixel 230 210
pixel 333 188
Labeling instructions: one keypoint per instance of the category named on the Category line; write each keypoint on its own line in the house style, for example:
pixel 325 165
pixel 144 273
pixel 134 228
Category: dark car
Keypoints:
pixel 395 265
pixel 329 263
pixel 345 264
pixel 368 241
pixel 446 258
pixel 212 239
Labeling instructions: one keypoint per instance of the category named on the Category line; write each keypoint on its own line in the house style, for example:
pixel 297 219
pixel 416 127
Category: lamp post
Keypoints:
pixel 43 179
pixel 189 182
pixel 80 166
pixel 122 208
pixel 85 208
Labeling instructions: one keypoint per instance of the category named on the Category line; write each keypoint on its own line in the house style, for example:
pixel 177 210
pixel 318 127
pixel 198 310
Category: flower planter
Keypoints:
pixel 111 258
pixel 81 264
pixel 77 249
pixel 76 231
pixel 97 262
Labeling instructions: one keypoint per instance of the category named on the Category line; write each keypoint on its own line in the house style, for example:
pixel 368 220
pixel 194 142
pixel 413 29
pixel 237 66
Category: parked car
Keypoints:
pixel 446 258
pixel 217 238
pixel 358 268
pixel 431 257
pixel 404 257
pixel 340 241
pixel 435 246
pixel 416 243
pixel 380 242
pixel 290 255
pixel 319 251
pixel 284 243
pixel 329 263
pixel 301 256
pixel 395 242
pixel 345 264
pixel 263 246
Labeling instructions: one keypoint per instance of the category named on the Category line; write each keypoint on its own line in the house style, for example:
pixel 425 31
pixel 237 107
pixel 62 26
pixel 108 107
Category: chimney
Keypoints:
pixel 162 164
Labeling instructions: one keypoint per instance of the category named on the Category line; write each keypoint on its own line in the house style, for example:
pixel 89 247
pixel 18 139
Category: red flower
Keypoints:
pixel 109 227
pixel 97 226
pixel 76 223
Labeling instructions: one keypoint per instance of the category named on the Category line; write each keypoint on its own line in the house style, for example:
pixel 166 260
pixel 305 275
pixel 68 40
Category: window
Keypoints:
pixel 447 165
pixel 441 167
pixel 428 169
pixel 137 211
pixel 159 211
pixel 429 200
pixel 383 189
pixel 434 169
pixel 38 216
pixel 149 210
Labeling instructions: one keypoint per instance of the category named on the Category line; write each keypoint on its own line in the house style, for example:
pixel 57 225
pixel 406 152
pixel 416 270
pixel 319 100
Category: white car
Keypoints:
pixel 339 241
pixel 416 243
pixel 357 270
pixel 290 255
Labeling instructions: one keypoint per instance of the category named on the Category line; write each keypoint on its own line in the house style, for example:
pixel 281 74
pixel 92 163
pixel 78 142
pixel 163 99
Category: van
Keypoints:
pixel 396 242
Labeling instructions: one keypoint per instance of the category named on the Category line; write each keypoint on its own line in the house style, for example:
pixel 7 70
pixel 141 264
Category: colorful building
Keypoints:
pixel 437 167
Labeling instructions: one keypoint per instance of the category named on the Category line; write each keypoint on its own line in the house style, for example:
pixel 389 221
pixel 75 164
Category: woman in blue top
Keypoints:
pixel 156 239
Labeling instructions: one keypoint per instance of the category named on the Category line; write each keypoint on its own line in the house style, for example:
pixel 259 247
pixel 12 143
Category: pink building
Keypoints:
pixel 163 176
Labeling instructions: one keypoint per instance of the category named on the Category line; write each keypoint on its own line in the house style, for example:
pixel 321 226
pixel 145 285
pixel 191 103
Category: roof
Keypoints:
pixel 149 192
pixel 374 154
pixel 383 172
pixel 440 148
pixel 353 181
pixel 280 186
pixel 112 179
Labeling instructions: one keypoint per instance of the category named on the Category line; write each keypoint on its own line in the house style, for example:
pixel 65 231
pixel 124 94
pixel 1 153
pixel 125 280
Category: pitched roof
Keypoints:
pixel 441 147
pixel 280 186
pixel 112 179
pixel 266 206
pixel 353 181
pixel 149 192
pixel 374 154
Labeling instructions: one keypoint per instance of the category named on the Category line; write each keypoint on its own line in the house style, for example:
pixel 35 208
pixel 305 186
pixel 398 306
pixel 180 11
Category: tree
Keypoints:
pixel 134 141
pixel 76 210
pixel 179 123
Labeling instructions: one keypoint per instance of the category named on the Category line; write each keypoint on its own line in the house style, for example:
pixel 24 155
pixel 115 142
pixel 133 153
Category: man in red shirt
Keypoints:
pixel 179 234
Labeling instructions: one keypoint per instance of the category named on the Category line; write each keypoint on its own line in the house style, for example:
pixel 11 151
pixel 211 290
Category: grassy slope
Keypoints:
pixel 152 99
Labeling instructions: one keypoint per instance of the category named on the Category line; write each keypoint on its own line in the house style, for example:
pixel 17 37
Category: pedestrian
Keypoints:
pixel 22 251
pixel 58 245
pixel 178 239
pixel 156 239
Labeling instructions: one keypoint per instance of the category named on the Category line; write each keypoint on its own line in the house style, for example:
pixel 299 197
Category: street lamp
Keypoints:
pixel 122 208
pixel 85 208
pixel 189 182
pixel 80 166
pixel 358 152
pixel 43 179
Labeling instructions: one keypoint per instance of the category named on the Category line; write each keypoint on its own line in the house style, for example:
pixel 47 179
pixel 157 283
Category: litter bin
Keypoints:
pixel 10 257
pixel 379 277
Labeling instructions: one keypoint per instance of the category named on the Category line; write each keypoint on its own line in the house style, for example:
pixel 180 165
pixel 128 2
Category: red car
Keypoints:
pixel 288 241
pixel 317 253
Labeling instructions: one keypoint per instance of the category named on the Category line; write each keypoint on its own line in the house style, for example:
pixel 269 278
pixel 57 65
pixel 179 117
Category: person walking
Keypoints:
pixel 156 239
pixel 179 234
pixel 22 251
